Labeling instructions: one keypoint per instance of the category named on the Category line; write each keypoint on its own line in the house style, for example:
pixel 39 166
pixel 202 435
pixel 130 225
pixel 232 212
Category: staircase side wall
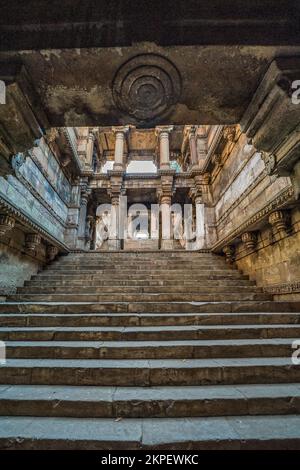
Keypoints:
pixel 245 197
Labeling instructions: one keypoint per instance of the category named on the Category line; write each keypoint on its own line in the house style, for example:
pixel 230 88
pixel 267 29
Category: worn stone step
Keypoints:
pixel 142 297
pixel 196 349
pixel 152 372
pixel 139 265
pixel 149 307
pixel 205 257
pixel 212 433
pixel 148 333
pixel 91 269
pixel 154 402
pixel 145 254
pixel 146 319
pixel 141 277
pixel 137 282
pixel 114 289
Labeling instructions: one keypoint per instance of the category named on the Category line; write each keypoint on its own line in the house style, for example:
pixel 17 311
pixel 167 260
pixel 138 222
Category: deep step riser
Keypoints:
pixel 98 283
pixel 147 277
pixel 144 352
pixel 132 376
pixel 140 297
pixel 158 408
pixel 150 307
pixel 167 335
pixel 90 320
pixel 136 289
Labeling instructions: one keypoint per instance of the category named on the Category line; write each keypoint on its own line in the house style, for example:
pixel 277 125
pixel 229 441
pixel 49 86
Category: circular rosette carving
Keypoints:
pixel 146 86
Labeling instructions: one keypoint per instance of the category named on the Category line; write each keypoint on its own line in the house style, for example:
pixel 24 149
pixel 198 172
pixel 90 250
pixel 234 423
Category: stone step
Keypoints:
pixel 142 297
pixel 137 282
pixel 142 277
pixel 197 349
pixel 196 257
pixel 153 372
pixel 152 402
pixel 92 269
pixel 139 264
pixel 113 319
pixel 149 307
pixel 213 433
pixel 145 254
pixel 114 289
pixel 149 333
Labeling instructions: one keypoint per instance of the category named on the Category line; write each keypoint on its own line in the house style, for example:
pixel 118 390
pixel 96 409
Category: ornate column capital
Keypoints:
pixel 7 223
pixel 51 252
pixel 229 133
pixel 32 241
pixel 163 131
pixel 229 252
pixel 279 222
pixel 196 195
pixel 249 239
pixel 120 130
pixel 85 194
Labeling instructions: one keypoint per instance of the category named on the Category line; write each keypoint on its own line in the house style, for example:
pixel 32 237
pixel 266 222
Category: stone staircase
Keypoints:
pixel 163 350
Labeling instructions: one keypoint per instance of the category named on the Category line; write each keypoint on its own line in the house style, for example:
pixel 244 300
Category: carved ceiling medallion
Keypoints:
pixel 146 86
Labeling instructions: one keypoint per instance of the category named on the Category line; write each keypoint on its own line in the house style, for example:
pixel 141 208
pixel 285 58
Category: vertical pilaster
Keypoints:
pixel 201 147
pixel 120 135
pixel 85 193
pixel 193 146
pixel 163 134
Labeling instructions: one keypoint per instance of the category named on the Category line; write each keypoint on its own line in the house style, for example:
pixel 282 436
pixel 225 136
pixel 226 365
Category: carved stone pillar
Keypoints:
pixel 164 147
pixel 114 242
pixel 32 241
pixel 201 148
pixel 229 252
pixel 85 193
pixel 165 207
pixel 279 222
pixel 193 146
pixel 120 133
pixel 89 151
pixel 164 194
pixel 7 223
pixel 249 239
pixel 199 218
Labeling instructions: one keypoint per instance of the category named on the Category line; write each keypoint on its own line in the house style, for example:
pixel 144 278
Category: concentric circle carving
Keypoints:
pixel 146 86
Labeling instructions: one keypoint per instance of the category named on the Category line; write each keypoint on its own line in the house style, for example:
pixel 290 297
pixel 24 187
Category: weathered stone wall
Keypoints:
pixel 244 197
pixel 275 262
pixel 16 265
pixel 41 200
pixel 39 190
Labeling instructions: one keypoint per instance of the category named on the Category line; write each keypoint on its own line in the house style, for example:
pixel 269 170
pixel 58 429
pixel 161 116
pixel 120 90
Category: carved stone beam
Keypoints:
pixel 271 121
pixel 22 118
